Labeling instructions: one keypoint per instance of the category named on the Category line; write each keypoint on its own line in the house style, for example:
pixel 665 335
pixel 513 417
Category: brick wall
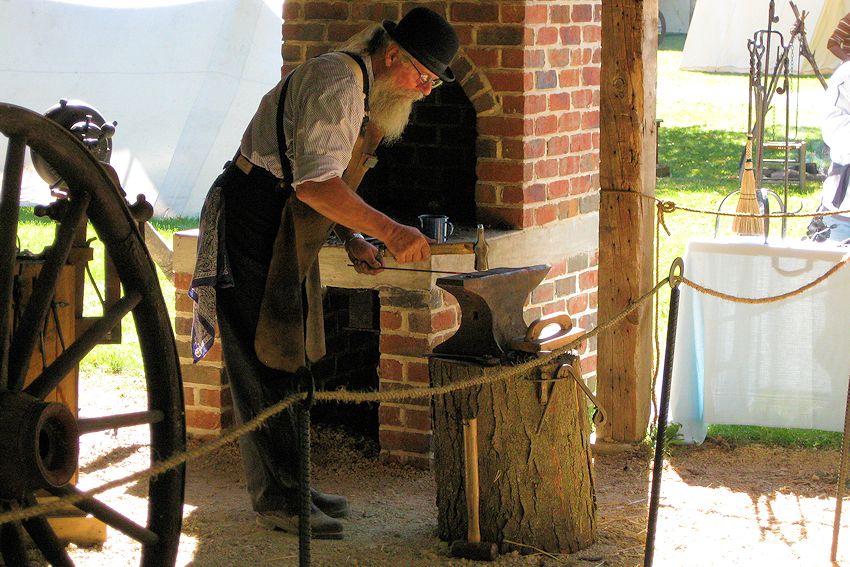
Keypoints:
pixel 412 324
pixel 530 69
pixel 531 72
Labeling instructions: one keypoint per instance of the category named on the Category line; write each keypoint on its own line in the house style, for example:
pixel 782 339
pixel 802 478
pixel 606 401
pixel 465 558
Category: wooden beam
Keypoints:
pixel 627 168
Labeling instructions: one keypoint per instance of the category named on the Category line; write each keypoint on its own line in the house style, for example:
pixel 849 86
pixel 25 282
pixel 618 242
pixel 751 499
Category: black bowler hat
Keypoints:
pixel 428 37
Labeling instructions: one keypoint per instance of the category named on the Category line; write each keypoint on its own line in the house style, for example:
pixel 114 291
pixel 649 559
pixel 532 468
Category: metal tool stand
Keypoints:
pixel 765 82
pixel 661 429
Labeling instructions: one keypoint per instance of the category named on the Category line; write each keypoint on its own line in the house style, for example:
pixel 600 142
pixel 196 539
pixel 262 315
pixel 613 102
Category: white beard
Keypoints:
pixel 389 107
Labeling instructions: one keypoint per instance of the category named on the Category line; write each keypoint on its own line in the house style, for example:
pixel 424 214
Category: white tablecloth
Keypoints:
pixel 782 364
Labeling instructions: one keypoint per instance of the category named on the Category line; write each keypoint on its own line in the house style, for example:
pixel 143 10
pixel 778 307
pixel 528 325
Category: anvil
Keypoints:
pixel 491 305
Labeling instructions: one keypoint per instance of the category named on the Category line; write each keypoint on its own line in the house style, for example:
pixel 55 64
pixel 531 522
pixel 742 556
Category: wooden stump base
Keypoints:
pixel 535 467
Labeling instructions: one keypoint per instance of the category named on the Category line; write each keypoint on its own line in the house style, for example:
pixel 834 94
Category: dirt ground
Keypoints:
pixel 720 505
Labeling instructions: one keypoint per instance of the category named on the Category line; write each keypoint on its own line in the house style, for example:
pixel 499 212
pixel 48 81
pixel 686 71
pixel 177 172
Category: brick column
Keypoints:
pixel 209 408
pixel 412 324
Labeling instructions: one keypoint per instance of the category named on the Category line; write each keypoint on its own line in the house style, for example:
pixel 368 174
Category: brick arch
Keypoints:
pixel 476 85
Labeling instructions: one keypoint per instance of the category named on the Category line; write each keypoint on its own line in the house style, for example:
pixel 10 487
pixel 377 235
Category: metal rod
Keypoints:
pixel 787 131
pixel 766 93
pixel 305 531
pixel 661 429
pixel 842 476
pixel 419 270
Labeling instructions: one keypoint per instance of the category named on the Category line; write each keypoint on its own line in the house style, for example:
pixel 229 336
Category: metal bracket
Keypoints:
pixel 600 416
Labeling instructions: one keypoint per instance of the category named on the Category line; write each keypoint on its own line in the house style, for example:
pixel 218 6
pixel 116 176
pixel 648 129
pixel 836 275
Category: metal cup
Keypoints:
pixel 437 227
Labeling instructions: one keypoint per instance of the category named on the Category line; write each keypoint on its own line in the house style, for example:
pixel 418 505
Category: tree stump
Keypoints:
pixel 535 469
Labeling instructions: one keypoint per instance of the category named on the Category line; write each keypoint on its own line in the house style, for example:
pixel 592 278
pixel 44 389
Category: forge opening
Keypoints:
pixel 431 170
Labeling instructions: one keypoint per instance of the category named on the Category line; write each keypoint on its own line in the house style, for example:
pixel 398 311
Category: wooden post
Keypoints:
pixel 627 168
pixel 71 525
pixel 534 464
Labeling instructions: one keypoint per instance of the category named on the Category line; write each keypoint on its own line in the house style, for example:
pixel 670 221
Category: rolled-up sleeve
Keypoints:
pixel 326 122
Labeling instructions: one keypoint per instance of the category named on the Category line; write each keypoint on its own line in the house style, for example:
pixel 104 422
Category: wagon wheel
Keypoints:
pixel 40 440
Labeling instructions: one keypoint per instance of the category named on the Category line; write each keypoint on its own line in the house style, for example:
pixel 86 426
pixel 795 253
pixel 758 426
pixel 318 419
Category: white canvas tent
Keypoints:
pixel 181 77
pixel 677 14
pixel 717 39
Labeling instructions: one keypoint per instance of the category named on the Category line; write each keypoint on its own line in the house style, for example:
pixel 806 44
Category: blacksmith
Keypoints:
pixel 267 216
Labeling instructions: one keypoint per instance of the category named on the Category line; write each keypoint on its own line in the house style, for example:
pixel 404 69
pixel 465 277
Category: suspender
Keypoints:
pixel 286 166
pixel 359 61
pixel 281 137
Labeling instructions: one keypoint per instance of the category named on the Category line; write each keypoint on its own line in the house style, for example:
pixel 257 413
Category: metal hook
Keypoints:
pixel 675 278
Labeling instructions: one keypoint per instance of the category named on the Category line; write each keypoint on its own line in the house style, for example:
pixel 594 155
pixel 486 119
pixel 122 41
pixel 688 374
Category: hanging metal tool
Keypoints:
pixel 765 80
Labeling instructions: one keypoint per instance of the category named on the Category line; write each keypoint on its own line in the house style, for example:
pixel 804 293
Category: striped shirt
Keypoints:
pixel 321 122
pixel 840 38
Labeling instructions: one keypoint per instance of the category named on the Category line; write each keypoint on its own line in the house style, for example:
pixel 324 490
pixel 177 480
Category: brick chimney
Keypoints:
pixel 531 72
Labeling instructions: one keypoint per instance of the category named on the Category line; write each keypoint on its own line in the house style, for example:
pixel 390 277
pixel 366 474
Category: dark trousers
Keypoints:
pixel 270 453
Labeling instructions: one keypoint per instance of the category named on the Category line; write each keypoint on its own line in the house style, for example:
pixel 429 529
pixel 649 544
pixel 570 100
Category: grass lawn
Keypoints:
pixel 701 138
pixel 121 360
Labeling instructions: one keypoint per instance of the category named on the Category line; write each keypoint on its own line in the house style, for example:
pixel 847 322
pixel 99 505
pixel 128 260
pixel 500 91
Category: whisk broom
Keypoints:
pixel 747 201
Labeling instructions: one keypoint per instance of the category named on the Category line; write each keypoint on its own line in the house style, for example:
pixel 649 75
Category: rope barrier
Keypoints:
pixel 666 206
pixel 506 373
pixel 771 299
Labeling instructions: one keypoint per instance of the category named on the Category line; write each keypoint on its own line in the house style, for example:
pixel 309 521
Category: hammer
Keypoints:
pixel 473 547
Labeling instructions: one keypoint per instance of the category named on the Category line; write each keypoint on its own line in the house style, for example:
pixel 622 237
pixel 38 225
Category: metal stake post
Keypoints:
pixel 842 477
pixel 305 531
pixel 661 429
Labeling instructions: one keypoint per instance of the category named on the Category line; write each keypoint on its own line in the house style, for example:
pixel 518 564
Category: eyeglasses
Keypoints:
pixel 424 78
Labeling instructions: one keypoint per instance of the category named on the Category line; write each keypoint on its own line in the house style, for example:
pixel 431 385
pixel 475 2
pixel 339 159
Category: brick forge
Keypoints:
pixel 531 71
pixel 412 324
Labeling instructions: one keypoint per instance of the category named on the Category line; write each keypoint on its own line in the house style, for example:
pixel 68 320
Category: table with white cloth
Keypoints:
pixel 782 364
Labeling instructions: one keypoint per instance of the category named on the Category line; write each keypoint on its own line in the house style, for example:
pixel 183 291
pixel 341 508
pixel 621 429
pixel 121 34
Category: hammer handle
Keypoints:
pixel 470 478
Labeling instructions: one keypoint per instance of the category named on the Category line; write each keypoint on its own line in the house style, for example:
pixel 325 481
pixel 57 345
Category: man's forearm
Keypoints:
pixel 343 233
pixel 840 52
pixel 334 200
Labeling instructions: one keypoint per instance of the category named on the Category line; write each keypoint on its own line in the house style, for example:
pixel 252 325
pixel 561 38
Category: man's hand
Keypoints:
pixel 407 244
pixel 334 200
pixel 364 256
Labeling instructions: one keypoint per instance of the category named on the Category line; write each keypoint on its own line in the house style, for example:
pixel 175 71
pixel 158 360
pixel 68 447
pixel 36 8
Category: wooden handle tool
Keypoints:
pixel 473 547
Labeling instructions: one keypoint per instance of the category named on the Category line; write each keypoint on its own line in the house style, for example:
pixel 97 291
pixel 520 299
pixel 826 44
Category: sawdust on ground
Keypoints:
pixel 720 505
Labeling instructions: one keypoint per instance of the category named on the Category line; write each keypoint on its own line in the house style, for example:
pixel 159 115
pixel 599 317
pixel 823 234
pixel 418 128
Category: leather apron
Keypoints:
pixel 290 330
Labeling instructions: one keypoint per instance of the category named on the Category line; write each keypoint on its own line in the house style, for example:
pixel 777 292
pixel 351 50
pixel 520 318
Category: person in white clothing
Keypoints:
pixel 835 130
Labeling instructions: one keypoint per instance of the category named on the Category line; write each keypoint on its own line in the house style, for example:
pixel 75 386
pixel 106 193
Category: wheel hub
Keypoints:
pixel 40 444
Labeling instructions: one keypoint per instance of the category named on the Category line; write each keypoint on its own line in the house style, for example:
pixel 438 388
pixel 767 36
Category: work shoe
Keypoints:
pixel 333 505
pixel 322 525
